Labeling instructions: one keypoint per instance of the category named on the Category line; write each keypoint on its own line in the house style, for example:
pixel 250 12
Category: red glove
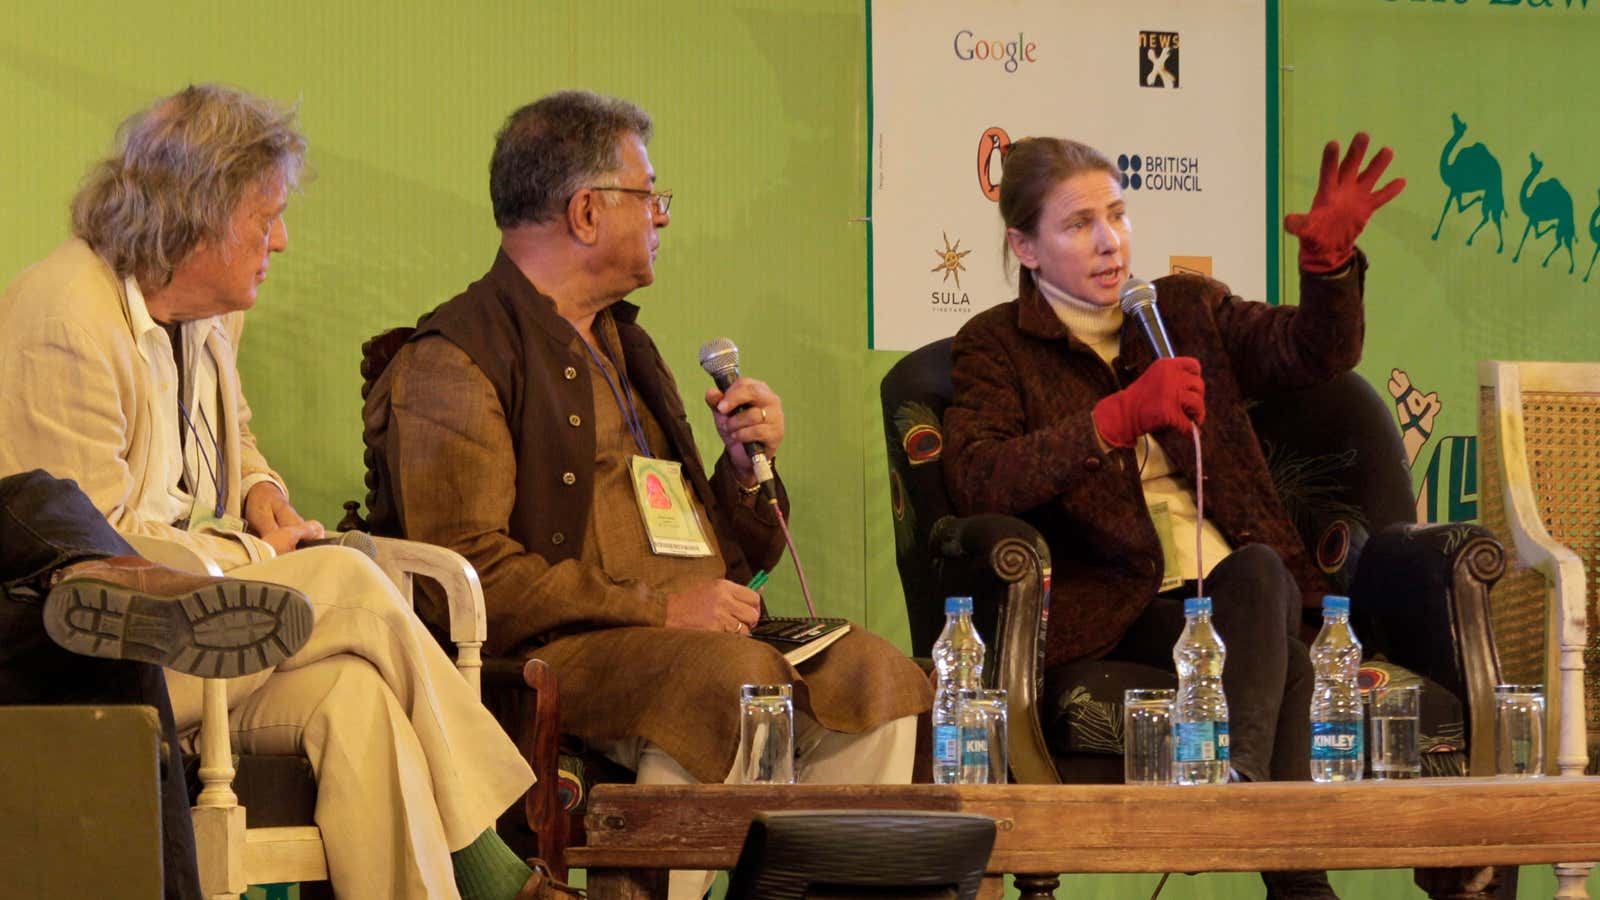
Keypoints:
pixel 1344 203
pixel 1170 394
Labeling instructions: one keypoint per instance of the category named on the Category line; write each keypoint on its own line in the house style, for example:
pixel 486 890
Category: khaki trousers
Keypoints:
pixel 410 766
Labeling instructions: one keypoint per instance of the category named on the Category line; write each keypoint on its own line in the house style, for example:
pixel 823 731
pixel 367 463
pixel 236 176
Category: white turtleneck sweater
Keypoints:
pixel 1101 328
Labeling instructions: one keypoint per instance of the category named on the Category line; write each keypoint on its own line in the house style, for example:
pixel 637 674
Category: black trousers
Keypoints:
pixel 1255 607
pixel 47 523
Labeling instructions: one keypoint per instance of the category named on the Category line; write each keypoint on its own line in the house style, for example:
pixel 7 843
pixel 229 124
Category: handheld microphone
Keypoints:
pixel 1138 298
pixel 720 359
pixel 355 540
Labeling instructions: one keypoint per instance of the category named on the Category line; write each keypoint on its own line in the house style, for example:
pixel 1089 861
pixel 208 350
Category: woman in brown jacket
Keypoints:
pixel 1063 416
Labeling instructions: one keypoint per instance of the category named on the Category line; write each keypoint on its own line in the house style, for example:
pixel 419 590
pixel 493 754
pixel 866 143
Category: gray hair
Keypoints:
pixel 555 146
pixel 180 170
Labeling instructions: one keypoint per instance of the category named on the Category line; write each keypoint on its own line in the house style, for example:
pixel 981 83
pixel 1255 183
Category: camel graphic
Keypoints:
pixel 1594 235
pixel 1548 203
pixel 1474 170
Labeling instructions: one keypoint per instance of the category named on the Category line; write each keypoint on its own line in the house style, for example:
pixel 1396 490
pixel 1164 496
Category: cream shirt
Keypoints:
pixel 197 462
pixel 1101 328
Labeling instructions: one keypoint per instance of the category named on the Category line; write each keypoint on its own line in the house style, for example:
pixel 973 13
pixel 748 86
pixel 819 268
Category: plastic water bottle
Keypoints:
pixel 958 657
pixel 1336 720
pixel 1200 715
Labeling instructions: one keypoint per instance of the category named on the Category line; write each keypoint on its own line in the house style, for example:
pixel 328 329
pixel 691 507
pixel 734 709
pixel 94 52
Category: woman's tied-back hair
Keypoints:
pixel 1033 168
pixel 555 146
pixel 180 170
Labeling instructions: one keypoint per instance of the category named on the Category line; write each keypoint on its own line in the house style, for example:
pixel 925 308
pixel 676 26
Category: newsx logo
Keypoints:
pixel 1158 59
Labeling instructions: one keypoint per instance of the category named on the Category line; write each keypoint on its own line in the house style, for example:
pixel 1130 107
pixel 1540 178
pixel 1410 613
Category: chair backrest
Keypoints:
pixel 889 855
pixel 1334 450
pixel 914 395
pixel 1539 452
pixel 376 354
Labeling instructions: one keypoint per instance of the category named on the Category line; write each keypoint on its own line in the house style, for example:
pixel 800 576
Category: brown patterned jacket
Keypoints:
pixel 1019 438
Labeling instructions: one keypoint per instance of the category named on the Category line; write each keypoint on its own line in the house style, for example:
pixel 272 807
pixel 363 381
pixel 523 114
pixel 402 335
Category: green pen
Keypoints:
pixel 759 581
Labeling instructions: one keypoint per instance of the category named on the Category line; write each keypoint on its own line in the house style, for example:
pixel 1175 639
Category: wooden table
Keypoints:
pixel 637 832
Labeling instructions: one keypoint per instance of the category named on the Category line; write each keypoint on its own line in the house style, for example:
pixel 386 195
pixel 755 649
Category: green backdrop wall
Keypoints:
pixel 760 114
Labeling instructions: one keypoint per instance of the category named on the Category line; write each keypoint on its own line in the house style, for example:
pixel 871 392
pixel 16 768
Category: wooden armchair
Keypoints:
pixel 236 850
pixel 522 694
pixel 1539 464
pixel 1420 593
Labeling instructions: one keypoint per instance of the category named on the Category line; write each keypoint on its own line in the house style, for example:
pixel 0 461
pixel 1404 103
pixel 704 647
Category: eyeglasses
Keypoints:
pixel 661 201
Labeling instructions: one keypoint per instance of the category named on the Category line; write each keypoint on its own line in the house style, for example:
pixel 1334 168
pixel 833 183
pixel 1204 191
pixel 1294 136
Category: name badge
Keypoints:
pixel 203 518
pixel 1162 518
pixel 669 518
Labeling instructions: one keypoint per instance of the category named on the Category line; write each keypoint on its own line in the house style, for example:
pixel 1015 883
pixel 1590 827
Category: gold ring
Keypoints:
pixel 763 415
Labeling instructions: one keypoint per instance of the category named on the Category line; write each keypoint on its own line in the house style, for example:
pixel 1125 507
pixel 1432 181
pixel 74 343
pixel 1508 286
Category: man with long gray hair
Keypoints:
pixel 125 339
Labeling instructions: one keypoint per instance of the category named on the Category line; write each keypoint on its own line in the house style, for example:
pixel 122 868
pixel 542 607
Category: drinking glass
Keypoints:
pixel 983 737
pixel 1147 736
pixel 766 735
pixel 1394 738
pixel 1519 730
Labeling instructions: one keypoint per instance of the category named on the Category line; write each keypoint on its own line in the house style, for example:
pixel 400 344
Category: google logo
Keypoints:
pixel 1009 53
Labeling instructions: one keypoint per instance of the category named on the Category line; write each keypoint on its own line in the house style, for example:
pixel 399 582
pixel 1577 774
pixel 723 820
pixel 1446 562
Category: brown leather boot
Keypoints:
pixel 127 607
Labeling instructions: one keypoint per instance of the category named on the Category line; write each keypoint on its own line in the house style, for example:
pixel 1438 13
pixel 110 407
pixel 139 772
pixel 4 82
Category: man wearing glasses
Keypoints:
pixel 530 424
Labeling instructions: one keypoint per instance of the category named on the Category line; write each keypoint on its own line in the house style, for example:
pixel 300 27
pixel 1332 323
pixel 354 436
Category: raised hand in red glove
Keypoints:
pixel 1344 203
pixel 1170 394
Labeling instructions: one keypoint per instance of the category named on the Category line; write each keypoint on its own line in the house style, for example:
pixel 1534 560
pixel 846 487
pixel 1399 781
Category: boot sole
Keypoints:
pixel 222 630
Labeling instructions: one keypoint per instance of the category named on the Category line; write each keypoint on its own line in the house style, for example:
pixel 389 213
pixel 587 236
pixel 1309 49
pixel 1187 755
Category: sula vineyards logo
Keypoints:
pixel 950 260
pixel 1158 59
pixel 950 264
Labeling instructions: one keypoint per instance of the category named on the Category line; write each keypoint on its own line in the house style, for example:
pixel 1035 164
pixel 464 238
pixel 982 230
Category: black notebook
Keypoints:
pixel 799 638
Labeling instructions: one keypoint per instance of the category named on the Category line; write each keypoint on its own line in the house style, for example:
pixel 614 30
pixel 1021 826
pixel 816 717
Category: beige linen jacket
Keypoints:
pixel 78 400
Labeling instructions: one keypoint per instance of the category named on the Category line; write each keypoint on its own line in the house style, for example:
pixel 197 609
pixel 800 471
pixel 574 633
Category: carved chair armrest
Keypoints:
pixel 1010 552
pixel 402 560
pixel 1422 597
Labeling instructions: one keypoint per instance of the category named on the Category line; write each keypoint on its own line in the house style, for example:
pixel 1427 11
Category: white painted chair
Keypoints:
pixel 1539 490
pixel 231 857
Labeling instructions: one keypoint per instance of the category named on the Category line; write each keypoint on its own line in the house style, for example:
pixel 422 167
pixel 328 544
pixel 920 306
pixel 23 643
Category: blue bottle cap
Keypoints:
pixel 1192 605
pixel 953 605
pixel 1333 603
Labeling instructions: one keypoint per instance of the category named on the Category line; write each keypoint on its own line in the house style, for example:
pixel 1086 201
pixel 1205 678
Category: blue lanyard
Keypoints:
pixel 215 474
pixel 624 400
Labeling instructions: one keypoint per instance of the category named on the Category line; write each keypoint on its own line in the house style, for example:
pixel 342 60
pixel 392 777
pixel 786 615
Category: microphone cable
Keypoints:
pixel 1199 515
pixel 794 555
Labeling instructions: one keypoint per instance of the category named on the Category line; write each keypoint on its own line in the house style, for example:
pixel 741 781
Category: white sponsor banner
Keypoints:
pixel 1173 92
